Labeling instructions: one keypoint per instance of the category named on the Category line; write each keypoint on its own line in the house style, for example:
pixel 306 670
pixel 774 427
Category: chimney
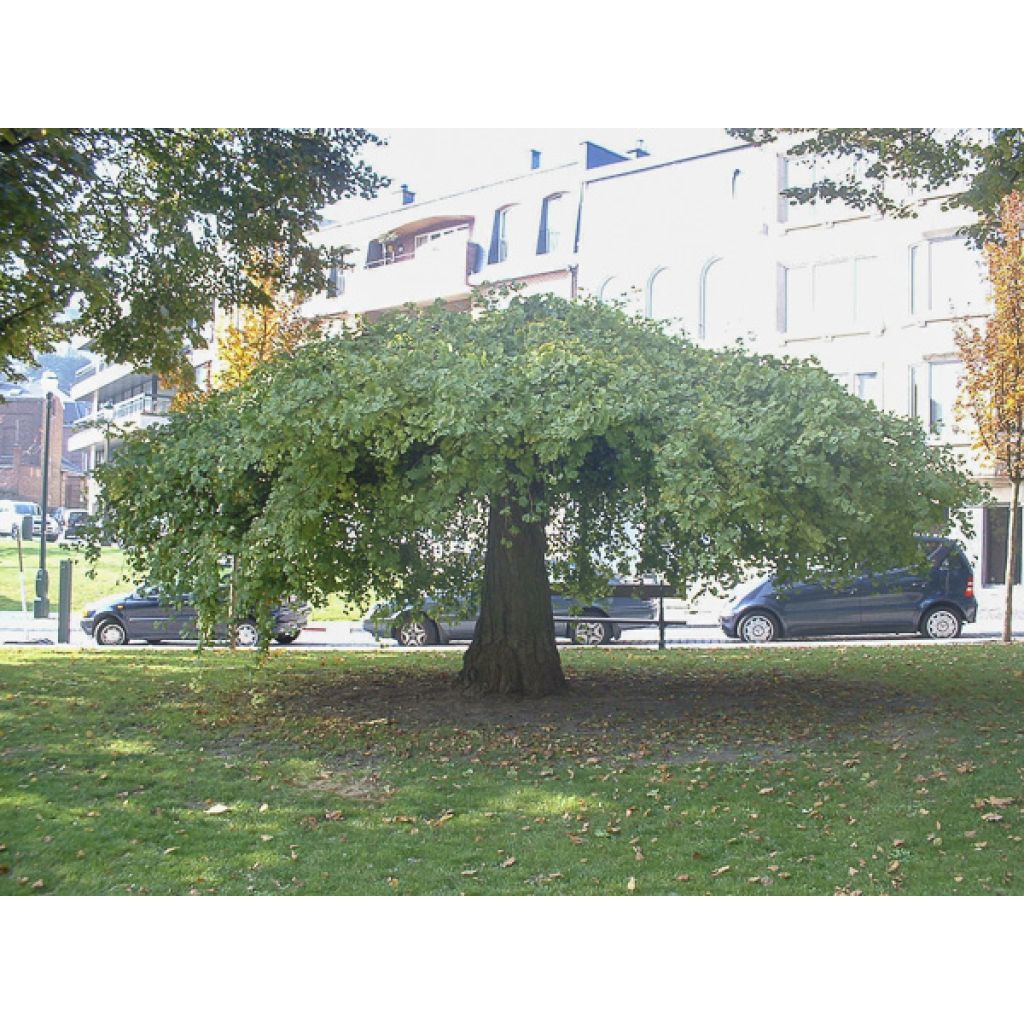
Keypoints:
pixel 638 150
pixel 408 196
pixel 534 159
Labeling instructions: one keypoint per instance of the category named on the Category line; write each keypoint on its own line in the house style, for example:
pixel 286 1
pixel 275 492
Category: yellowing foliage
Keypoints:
pixel 993 361
pixel 994 358
pixel 255 334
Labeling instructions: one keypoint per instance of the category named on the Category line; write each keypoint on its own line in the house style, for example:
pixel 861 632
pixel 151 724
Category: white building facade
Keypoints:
pixel 707 242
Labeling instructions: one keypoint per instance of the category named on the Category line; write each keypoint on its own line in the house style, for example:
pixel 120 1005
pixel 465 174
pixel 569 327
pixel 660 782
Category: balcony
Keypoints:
pixel 131 414
pixel 435 270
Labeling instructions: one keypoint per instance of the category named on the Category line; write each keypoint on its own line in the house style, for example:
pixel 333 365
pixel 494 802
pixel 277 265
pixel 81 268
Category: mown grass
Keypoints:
pixel 108 576
pixel 815 771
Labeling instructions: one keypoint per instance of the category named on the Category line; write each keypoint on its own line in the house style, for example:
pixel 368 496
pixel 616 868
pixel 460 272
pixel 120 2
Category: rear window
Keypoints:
pixel 23 508
pixel 76 517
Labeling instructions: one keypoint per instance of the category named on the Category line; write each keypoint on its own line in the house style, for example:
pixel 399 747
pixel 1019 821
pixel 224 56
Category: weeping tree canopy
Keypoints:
pixel 533 440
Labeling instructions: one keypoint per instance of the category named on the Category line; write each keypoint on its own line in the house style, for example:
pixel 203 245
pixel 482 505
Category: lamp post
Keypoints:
pixel 41 606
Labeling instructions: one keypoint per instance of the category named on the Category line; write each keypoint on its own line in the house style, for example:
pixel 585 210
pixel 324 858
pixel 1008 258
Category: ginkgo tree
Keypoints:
pixel 529 441
pixel 993 383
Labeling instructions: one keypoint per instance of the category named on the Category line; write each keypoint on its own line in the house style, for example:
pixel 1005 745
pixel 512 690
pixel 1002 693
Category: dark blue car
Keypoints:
pixel 935 602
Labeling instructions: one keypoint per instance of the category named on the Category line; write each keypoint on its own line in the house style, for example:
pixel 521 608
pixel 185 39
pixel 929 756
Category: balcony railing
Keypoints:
pixel 140 405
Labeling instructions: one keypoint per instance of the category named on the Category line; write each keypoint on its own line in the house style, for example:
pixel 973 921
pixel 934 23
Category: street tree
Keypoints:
pixel 993 383
pixel 532 441
pixel 862 164
pixel 128 236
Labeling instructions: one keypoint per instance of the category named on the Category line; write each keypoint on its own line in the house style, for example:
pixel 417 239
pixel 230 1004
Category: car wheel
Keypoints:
pixel 941 624
pixel 758 628
pixel 247 634
pixel 417 633
pixel 110 633
pixel 286 638
pixel 590 634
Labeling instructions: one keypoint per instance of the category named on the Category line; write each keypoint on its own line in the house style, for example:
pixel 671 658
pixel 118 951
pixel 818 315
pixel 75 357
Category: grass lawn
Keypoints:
pixel 779 771
pixel 110 578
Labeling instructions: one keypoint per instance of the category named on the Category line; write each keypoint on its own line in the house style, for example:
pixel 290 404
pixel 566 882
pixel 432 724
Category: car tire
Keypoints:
pixel 590 633
pixel 417 633
pixel 942 623
pixel 286 638
pixel 758 628
pixel 111 633
pixel 247 634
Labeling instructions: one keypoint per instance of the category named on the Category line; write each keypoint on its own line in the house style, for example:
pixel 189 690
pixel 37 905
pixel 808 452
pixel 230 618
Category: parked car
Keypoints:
pixel 427 625
pixel 936 602
pixel 71 521
pixel 145 614
pixel 12 513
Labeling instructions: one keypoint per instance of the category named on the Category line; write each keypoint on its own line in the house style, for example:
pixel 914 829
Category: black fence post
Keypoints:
pixel 661 619
pixel 64 603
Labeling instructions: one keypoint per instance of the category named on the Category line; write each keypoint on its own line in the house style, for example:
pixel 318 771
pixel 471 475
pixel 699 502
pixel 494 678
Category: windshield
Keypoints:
pixel 75 517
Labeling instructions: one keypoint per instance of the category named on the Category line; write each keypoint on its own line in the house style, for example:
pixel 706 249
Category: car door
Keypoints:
pixel 812 608
pixel 891 601
pixel 143 615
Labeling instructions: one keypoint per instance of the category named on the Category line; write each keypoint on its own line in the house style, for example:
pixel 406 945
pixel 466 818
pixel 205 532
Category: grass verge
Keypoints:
pixel 814 771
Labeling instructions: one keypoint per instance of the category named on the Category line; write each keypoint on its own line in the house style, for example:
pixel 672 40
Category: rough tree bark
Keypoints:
pixel 513 650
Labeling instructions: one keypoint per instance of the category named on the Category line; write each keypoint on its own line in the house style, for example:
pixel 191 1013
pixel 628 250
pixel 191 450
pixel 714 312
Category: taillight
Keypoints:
pixel 969 589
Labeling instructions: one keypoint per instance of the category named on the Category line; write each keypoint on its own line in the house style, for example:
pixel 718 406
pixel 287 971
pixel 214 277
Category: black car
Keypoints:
pixel 935 602
pixel 145 614
pixel 589 623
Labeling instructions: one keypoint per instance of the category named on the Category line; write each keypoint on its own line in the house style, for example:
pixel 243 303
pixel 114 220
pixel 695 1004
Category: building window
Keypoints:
pixel 945 278
pixel 997 535
pixel 734 186
pixel 942 387
pixel 868 387
pixel 335 281
pixel 606 293
pixel 552 231
pixel 499 250
pixel 837 297
pixel 707 298
pixel 666 294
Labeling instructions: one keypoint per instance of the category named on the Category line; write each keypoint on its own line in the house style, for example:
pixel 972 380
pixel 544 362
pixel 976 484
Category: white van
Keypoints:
pixel 12 512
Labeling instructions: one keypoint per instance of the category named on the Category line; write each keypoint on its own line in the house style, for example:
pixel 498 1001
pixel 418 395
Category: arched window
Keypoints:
pixel 650 307
pixel 708 298
pixel 500 234
pixel 735 184
pixel 606 292
pixel 551 236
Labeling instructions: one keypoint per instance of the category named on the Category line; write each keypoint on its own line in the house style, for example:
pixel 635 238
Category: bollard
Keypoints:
pixel 64 603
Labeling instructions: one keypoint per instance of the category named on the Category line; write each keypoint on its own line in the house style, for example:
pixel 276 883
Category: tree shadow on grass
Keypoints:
pixel 667 716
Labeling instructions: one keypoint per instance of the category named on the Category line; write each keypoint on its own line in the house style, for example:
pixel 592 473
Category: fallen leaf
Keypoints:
pixel 508 862
pixel 218 809
pixel 721 871
pixel 631 884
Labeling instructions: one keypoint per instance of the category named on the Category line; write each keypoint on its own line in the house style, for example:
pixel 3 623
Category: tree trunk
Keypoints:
pixel 1011 562
pixel 513 650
